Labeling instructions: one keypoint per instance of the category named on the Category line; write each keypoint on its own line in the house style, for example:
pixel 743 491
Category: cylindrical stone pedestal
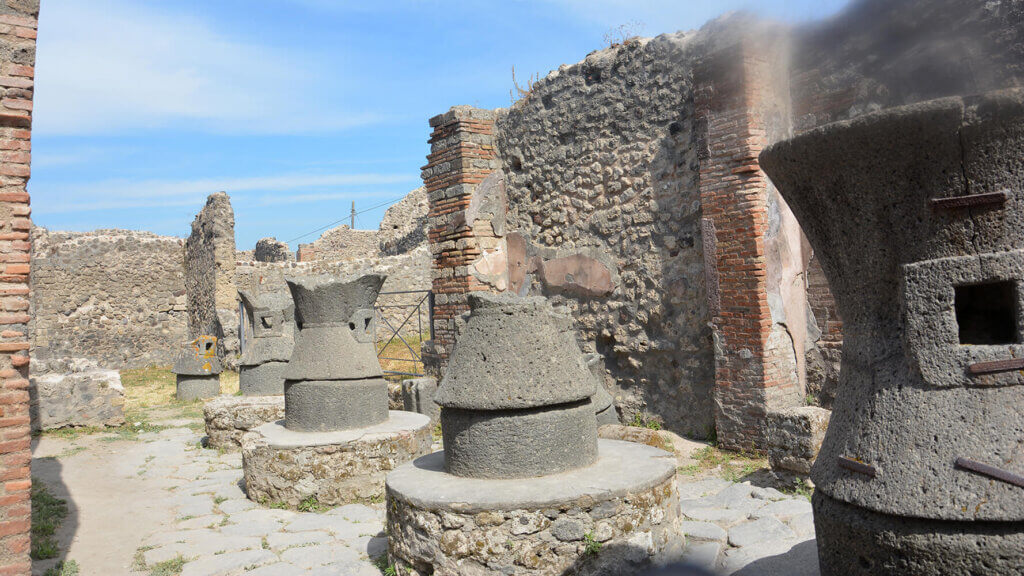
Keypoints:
pixel 519 443
pixel 315 406
pixel 617 516
pixel 335 468
pixel 194 387
pixel 866 543
pixel 262 380
pixel 228 418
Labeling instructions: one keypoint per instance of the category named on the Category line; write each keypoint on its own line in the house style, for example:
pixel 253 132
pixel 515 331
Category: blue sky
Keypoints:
pixel 295 107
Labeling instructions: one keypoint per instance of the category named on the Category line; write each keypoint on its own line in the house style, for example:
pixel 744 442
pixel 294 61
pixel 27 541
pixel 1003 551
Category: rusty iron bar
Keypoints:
pixel 996 366
pixel 855 466
pixel 986 199
pixel 990 471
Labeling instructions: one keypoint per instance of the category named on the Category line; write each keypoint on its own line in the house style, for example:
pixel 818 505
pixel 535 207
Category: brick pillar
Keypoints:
pixel 18 37
pixel 462 154
pixel 731 88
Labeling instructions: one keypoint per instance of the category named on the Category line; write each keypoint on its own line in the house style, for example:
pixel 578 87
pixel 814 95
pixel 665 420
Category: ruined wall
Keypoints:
pixel 404 272
pixel 18 20
pixel 210 276
pixel 341 243
pixel 116 297
pixel 404 225
pixel 601 175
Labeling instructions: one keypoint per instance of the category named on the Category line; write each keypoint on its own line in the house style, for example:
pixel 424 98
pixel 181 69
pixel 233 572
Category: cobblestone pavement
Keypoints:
pixel 215 530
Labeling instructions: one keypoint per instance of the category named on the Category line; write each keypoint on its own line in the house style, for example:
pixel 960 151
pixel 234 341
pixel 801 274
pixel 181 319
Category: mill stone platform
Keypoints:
pixel 228 418
pixel 616 516
pixel 336 467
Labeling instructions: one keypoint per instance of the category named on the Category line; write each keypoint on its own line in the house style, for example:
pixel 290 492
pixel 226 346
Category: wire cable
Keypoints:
pixel 336 222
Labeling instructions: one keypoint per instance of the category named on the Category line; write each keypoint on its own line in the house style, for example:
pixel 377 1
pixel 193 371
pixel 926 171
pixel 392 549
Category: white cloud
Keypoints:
pixel 107 66
pixel 280 189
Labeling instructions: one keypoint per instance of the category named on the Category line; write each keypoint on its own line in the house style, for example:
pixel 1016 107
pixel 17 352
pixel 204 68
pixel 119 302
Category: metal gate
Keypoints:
pixel 403 322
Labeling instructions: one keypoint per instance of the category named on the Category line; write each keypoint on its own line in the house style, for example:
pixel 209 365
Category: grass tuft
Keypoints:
pixel 48 512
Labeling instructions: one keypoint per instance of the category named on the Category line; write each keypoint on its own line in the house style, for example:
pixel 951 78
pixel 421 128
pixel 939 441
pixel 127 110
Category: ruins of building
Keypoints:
pixel 18 22
pixel 627 187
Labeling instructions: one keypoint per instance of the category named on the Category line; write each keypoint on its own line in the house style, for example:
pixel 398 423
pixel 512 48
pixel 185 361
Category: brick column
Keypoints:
pixel 18 37
pixel 462 154
pixel 731 87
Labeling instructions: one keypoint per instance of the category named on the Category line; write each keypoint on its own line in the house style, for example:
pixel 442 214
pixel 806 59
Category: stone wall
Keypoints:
pixel 210 276
pixel 404 225
pixel 341 243
pixel 604 216
pixel 18 21
pixel 116 297
pixel 404 272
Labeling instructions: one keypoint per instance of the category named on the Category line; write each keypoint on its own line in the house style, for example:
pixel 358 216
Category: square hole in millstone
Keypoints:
pixel 987 313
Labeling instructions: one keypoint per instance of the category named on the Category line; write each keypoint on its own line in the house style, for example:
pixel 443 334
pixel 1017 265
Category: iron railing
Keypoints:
pixel 402 314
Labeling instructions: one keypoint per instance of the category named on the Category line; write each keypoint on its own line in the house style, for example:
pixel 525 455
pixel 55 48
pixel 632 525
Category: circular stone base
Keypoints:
pixel 859 542
pixel 191 387
pixel 284 466
pixel 519 443
pixel 324 405
pixel 228 418
pixel 617 516
pixel 265 379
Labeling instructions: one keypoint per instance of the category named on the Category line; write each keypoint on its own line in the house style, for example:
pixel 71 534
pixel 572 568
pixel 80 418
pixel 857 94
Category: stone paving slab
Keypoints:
pixel 731 528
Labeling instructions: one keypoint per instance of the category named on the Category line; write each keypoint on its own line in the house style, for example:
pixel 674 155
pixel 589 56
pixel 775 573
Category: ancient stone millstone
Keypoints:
pixel 917 216
pixel 272 317
pixel 604 411
pixel 516 396
pixel 333 380
pixel 198 369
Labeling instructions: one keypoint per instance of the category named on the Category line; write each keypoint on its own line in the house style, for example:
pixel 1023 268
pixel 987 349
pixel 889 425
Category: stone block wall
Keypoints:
pixel 341 243
pixel 404 225
pixel 604 217
pixel 18 21
pixel 404 272
pixel 116 297
pixel 210 277
pixel 462 155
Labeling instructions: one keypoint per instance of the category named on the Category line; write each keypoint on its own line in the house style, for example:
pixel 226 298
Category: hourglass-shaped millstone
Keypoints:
pixel 917 217
pixel 516 395
pixel 272 318
pixel 333 380
pixel 197 369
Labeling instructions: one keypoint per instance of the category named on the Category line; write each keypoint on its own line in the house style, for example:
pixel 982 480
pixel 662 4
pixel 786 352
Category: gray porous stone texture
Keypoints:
pixel 228 418
pixel 114 296
pixel 516 398
pixel 907 405
pixel 404 225
pixel 601 167
pixel 324 405
pixel 619 516
pixel 335 468
pixel 418 396
pixel 271 321
pixel 865 543
pixel 604 408
pixel 334 380
pixel 198 358
pixel 514 353
pixel 794 438
pixel 82 394
pixel 209 276
pixel 190 387
pixel 519 443
pixel 272 250
pixel 343 243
